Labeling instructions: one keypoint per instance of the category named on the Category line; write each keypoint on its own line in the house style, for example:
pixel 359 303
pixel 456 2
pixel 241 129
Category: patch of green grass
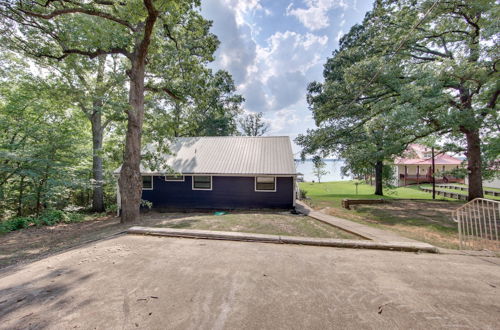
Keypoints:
pixel 260 223
pixel 332 193
pixel 422 219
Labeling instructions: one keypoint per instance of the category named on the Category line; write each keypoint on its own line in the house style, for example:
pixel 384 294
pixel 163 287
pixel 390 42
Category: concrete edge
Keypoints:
pixel 306 210
pixel 343 228
pixel 249 237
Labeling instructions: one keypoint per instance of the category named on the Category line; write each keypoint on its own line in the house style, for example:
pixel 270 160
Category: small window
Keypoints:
pixel 174 177
pixel 265 183
pixel 202 182
pixel 147 182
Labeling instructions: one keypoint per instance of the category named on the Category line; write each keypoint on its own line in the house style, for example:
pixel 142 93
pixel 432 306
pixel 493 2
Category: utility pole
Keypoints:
pixel 433 177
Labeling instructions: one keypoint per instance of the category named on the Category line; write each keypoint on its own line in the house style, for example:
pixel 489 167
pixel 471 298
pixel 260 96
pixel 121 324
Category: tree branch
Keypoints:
pixel 163 89
pixel 90 54
pixel 493 99
pixel 90 12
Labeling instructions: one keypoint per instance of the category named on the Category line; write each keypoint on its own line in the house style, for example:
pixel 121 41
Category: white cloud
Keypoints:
pixel 289 51
pixel 243 8
pixel 339 35
pixel 278 76
pixel 237 52
pixel 315 15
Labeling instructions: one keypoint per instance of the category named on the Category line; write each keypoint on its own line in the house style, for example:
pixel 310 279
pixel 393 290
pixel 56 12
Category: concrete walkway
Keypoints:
pixel 364 231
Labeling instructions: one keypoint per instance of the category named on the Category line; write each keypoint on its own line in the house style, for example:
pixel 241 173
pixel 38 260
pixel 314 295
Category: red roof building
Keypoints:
pixel 415 166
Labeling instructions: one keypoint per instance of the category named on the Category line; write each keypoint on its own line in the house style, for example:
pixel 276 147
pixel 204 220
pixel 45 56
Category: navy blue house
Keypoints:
pixel 221 173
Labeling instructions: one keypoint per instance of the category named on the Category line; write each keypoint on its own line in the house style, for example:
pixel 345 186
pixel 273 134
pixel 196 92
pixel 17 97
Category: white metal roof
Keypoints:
pixel 232 155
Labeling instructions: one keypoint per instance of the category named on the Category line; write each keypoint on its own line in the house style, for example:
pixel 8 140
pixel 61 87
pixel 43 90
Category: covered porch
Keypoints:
pixel 416 174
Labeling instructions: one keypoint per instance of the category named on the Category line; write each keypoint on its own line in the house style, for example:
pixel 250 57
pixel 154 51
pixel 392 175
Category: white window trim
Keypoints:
pixel 192 183
pixel 183 178
pixel 152 182
pixel 260 176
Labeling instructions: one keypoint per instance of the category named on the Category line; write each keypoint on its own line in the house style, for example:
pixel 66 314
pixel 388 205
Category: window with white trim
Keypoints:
pixel 177 178
pixel 265 183
pixel 202 182
pixel 147 182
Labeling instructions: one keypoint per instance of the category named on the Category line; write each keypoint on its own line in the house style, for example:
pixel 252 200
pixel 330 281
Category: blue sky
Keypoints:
pixel 273 49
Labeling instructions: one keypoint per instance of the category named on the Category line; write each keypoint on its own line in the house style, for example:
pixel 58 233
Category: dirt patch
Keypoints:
pixel 36 242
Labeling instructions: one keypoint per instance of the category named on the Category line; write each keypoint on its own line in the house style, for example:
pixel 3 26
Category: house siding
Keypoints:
pixel 228 192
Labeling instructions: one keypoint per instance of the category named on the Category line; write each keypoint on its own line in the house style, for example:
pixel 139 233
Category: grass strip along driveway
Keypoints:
pixel 36 242
pixel 271 223
pixel 423 220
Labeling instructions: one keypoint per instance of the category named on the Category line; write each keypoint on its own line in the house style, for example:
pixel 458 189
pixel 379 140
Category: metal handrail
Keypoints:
pixel 478 224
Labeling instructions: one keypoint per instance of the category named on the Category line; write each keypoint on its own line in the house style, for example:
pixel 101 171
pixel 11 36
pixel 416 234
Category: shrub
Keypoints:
pixel 15 224
pixel 52 217
pixel 112 208
pixel 49 217
pixel 146 204
pixel 74 217
pixel 302 194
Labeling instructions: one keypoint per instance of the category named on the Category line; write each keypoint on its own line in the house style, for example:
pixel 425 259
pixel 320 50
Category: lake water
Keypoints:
pixel 333 166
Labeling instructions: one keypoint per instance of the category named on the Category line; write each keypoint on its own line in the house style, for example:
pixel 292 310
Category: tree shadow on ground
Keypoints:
pixel 418 214
pixel 50 291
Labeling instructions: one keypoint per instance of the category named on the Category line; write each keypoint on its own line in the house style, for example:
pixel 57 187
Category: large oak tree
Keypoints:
pixel 145 33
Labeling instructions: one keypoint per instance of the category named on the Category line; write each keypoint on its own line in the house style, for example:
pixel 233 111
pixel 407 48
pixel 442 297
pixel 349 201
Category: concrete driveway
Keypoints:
pixel 131 282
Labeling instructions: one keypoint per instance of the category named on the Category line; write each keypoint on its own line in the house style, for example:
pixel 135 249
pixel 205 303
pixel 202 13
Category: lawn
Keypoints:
pixel 424 220
pixel 332 193
pixel 283 223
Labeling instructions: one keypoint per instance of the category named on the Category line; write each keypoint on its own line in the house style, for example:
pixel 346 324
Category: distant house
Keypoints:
pixel 229 172
pixel 416 166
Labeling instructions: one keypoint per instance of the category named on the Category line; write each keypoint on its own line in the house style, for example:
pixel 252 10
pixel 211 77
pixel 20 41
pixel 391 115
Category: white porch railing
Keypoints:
pixel 479 224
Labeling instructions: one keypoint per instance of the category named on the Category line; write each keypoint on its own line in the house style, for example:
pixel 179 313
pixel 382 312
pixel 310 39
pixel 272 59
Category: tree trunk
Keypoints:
pixel 474 164
pixel 130 182
pixel 97 139
pixel 379 166
pixel 97 170
pixel 20 197
pixel 39 196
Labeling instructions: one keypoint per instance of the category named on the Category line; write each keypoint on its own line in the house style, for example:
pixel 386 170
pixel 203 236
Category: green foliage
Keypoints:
pixel 64 97
pixel 15 224
pixel 49 217
pixel 303 193
pixel 111 208
pixel 146 204
pixel 412 68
